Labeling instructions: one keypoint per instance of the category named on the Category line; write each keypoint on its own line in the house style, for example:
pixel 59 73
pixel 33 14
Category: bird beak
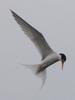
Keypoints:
pixel 62 62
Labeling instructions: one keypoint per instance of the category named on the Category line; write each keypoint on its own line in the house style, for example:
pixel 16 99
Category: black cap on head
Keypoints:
pixel 63 57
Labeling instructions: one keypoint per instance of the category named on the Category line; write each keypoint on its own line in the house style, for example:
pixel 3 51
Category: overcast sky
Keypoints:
pixel 56 20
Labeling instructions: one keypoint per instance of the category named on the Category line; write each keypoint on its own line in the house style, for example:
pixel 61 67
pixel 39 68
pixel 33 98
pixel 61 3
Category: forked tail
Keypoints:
pixel 37 70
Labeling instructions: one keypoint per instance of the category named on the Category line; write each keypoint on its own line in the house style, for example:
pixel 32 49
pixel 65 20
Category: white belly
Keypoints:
pixel 50 59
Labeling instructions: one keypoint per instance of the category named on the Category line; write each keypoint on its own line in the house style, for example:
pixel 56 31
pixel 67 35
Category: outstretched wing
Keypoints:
pixel 35 36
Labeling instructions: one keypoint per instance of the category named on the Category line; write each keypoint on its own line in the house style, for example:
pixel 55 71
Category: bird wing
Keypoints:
pixel 35 36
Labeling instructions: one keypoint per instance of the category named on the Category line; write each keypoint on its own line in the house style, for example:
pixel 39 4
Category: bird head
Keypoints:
pixel 63 59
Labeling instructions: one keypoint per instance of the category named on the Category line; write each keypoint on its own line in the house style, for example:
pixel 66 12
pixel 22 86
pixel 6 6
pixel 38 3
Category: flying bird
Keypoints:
pixel 49 56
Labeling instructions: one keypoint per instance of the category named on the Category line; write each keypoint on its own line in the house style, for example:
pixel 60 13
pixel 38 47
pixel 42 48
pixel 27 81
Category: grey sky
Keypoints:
pixel 56 20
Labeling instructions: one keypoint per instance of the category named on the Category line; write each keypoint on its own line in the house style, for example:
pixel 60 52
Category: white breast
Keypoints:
pixel 51 59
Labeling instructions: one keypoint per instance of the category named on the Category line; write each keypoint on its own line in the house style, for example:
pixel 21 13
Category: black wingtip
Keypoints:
pixel 12 11
pixel 14 14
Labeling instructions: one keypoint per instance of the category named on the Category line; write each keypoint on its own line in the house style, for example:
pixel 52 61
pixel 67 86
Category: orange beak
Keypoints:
pixel 62 64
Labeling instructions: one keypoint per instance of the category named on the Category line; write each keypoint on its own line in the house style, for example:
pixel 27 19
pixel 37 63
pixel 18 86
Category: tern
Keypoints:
pixel 49 56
